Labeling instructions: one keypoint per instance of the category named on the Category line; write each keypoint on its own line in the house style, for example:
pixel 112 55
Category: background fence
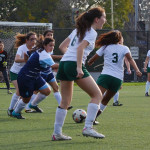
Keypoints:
pixel 140 39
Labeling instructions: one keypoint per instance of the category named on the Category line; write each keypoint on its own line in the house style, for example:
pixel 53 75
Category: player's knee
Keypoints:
pixel 26 100
pixel 55 88
pixel 47 92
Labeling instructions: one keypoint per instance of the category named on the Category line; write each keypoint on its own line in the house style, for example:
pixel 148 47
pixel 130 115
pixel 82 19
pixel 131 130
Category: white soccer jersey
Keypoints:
pixel 17 66
pixel 113 59
pixel 71 53
pixel 148 54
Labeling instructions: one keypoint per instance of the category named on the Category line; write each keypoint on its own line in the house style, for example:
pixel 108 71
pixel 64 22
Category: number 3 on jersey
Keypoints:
pixel 115 58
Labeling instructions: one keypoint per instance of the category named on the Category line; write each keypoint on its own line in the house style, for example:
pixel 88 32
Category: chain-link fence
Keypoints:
pixel 140 39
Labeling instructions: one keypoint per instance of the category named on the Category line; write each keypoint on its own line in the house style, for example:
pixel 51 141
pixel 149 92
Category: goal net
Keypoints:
pixel 8 30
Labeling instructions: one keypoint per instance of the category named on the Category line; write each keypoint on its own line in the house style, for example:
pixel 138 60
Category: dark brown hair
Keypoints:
pixel 44 34
pixel 21 38
pixel 111 37
pixel 86 19
pixel 40 45
pixel 1 42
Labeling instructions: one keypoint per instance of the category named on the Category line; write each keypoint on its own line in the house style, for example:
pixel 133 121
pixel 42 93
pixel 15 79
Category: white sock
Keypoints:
pixel 91 114
pixel 102 107
pixel 14 100
pixel 59 120
pixel 147 86
pixel 116 97
pixel 20 106
pixel 58 97
pixel 39 97
pixel 32 98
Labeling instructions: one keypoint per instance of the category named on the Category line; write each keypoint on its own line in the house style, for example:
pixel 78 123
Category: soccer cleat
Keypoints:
pixel 146 94
pixel 39 110
pixel 98 113
pixel 17 115
pixel 95 122
pixel 59 137
pixel 29 111
pixel 9 92
pixel 70 107
pixel 92 133
pixel 117 104
pixel 9 112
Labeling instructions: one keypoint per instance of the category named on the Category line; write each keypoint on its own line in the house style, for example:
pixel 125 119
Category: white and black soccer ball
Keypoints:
pixel 79 115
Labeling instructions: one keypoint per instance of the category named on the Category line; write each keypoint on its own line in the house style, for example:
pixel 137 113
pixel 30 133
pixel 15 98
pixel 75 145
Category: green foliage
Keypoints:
pixel 61 13
pixel 8 34
pixel 121 8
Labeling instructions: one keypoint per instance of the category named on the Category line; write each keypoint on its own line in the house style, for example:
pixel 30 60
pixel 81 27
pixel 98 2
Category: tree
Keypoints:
pixel 62 12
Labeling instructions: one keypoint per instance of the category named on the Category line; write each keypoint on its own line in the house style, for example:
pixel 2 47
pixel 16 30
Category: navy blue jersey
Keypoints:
pixel 38 61
pixel 29 78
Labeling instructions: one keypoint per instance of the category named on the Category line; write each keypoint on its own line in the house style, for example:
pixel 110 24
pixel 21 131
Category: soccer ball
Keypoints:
pixel 79 115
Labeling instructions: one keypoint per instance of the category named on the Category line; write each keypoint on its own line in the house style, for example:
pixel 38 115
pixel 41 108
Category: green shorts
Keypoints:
pixel 109 82
pixel 68 71
pixel 148 69
pixel 13 76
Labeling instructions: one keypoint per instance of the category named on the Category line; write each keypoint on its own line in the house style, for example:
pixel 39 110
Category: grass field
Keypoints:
pixel 126 127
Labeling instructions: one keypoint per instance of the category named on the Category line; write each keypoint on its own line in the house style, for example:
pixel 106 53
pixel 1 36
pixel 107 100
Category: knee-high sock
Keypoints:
pixel 32 98
pixel 59 120
pixel 14 100
pixel 147 86
pixel 58 97
pixel 91 114
pixel 116 97
pixel 20 106
pixel 102 107
pixel 38 99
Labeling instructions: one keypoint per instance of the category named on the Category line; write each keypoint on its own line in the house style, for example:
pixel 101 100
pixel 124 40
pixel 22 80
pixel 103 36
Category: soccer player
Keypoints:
pixel 111 77
pixel 3 65
pixel 29 78
pixel 24 43
pixel 147 69
pixel 76 47
pixel 49 78
pixel 116 96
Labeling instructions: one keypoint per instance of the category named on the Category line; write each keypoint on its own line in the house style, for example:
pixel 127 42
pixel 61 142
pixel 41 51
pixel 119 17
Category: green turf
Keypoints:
pixel 125 127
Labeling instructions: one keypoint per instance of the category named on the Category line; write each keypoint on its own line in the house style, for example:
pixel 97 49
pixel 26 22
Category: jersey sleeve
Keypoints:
pixel 19 51
pixel 46 60
pixel 90 36
pixel 126 50
pixel 148 53
pixel 100 52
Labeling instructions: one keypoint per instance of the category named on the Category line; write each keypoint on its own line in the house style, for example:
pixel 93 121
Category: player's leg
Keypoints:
pixel 20 106
pixel 44 91
pixel 147 83
pixel 109 86
pixel 61 111
pixel 90 87
pixel 56 92
pixel 16 96
pixel 116 100
pixel 5 75
pixel 27 108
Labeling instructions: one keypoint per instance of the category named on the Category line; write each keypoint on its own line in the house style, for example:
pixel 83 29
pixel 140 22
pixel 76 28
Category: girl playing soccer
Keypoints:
pixel 29 78
pixel 77 47
pixel 111 78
